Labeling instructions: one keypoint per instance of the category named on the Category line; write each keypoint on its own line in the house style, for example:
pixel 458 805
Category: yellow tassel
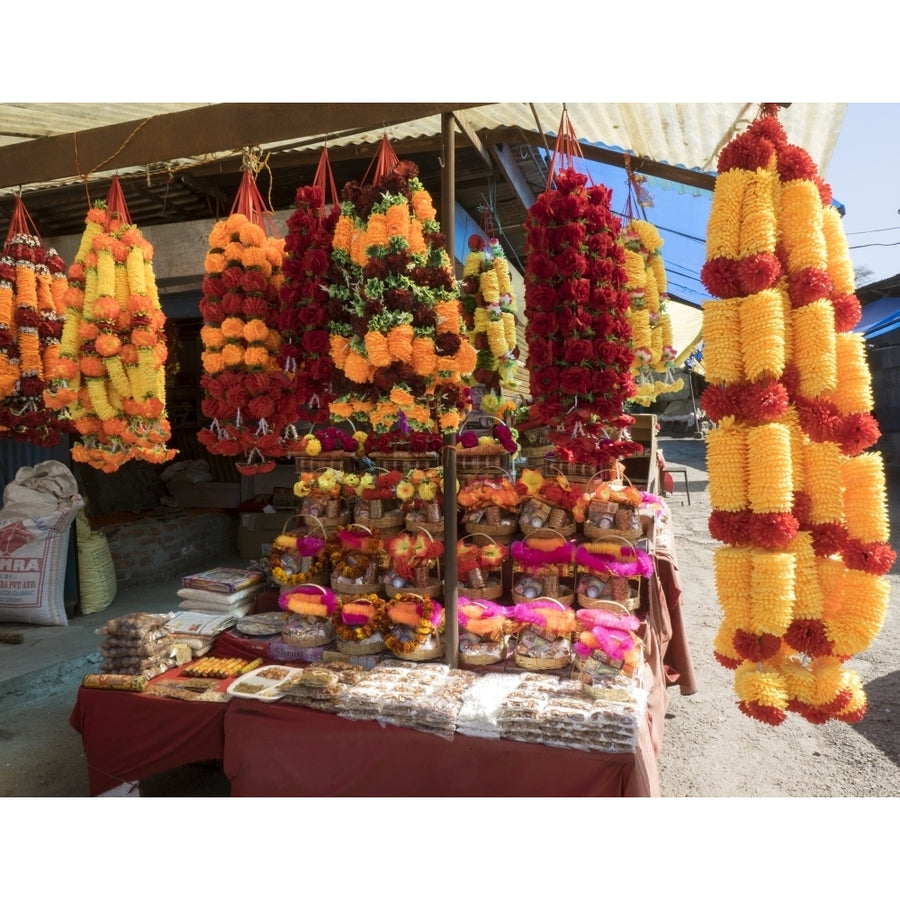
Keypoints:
pixel 831 573
pixel 865 492
pixel 726 460
pixel 117 377
pixel 473 263
pixel 761 683
pixel 791 420
pixel 722 357
pixel 134 265
pixel 723 224
pixel 723 642
pixel 861 615
pixel 771 592
pixel 814 347
pixel 823 463
pixel 733 568
pixel 840 266
pixel 758 224
pixel 106 274
pixel 147 369
pixel 762 335
pixel 801 225
pixel 853 391
pixel 808 602
pixel 770 483
pixel 100 404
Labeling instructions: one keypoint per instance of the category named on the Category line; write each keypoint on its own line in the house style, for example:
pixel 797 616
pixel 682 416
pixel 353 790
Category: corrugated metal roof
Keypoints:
pixel 687 135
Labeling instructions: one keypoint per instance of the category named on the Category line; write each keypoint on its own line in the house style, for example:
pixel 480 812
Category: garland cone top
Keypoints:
pixel 799 499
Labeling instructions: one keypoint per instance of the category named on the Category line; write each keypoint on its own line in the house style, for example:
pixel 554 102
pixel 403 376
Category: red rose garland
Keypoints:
pixel 305 314
pixel 579 341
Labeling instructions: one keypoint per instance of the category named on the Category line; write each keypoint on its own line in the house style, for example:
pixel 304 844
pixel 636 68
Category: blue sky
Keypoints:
pixel 864 176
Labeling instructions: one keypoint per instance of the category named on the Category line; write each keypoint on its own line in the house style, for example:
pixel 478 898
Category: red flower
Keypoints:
pixel 578 350
pixel 576 380
pixel 315 342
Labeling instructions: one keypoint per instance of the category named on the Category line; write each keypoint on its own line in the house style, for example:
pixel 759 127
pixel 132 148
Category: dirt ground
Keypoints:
pixel 711 749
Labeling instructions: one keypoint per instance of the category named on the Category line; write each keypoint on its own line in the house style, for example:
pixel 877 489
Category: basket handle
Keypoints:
pixel 478 534
pixel 314 518
pixel 537 533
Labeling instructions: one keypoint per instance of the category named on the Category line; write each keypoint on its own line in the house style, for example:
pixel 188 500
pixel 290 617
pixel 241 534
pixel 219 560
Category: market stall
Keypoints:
pixel 130 735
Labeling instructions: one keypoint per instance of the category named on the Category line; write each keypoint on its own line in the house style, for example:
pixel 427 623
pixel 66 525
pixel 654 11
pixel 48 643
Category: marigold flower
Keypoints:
pixel 378 350
pixel 840 265
pixel 256 357
pixel 722 354
pixel 761 683
pixel 732 570
pixel 770 484
pixel 726 458
pixel 854 624
pixel 400 342
pixel 808 599
pixel 801 221
pixel 232 355
pixel 397 220
pixel 357 368
pixel 853 391
pixel 725 213
pixel 723 645
pixel 814 349
pixel 822 463
pixel 865 491
pixel 762 334
pixel 772 584
pixel 758 226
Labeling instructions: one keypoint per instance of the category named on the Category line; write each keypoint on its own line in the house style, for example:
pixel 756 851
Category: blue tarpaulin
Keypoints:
pixel 879 317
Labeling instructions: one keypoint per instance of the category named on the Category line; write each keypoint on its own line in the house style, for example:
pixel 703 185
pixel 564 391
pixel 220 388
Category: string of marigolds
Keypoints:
pixel 798 496
pixel 109 376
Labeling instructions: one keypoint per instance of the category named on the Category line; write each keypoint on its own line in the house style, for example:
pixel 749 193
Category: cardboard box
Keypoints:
pixel 258 530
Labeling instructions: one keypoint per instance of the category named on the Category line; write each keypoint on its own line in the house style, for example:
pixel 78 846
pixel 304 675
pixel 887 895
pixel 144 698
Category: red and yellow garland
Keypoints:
pixel 32 312
pixel 109 376
pixel 247 394
pixel 799 499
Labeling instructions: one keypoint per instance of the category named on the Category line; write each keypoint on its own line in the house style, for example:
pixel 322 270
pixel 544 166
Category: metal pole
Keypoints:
pixel 448 203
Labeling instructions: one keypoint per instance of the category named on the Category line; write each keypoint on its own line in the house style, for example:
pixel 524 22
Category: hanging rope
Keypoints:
pixel 324 178
pixel 21 223
pixel 638 197
pixel 384 161
pixel 566 150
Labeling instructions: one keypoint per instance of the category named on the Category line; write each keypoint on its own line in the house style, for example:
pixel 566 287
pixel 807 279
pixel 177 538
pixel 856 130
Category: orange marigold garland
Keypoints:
pixel 32 284
pixel 796 497
pixel 247 393
pixel 109 374
pixel 396 334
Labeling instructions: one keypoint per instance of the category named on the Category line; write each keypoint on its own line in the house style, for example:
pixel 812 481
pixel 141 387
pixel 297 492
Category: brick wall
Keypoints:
pixel 155 547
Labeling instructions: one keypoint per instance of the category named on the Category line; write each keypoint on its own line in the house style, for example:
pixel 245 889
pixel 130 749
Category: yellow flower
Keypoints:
pixel 723 224
pixel 406 490
pixel 761 683
pixel 762 334
pixel 312 447
pixel 800 217
pixel 865 492
pixel 853 391
pixel 854 625
pixel 759 227
pixel 822 463
pixel 732 570
pixel 722 353
pixel 770 484
pixel 840 266
pixel 772 583
pixel 814 347
pixel 808 600
pixel 726 458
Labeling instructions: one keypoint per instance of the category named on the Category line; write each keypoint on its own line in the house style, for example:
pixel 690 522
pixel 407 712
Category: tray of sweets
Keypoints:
pixel 261 684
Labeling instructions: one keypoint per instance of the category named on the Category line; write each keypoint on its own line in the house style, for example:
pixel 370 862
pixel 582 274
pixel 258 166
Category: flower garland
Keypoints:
pixel 307 546
pixel 247 395
pixel 579 340
pixel 488 305
pixel 327 482
pixel 109 374
pixel 356 619
pixel 650 320
pixel 489 490
pixel 32 313
pixel 798 503
pixel 484 619
pixel 309 600
pixel 421 617
pixel 351 550
pixel 610 557
pixel 555 490
pixel 478 556
pixel 327 441
pixel 609 634
pixel 397 332
pixel 419 487
pixel 303 319
pixel 410 551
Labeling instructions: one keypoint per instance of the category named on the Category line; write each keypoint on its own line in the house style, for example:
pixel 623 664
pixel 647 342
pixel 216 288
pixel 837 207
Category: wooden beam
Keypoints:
pixel 474 140
pixel 190 133
pixel 513 174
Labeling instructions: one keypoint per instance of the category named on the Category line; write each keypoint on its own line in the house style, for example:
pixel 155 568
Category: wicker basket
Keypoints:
pixel 370 646
pixel 477 461
pixel 429 644
pixel 388 524
pixel 431 648
pixel 599 665
pixel 535 456
pixel 276 554
pixel 435 529
pixel 341 460
pixel 615 592
pixel 482 532
pixel 542 663
pixel 564 573
pixel 537 515
pixel 484 650
pixel 402 461
pixel 491 589
pixel 314 631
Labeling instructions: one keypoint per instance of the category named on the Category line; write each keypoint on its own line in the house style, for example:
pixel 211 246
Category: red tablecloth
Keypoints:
pixel 280 750
pixel 128 736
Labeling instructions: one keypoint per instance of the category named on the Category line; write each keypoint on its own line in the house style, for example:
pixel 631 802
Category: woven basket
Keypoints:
pixel 535 456
pixel 432 588
pixel 476 461
pixel 387 525
pixel 542 663
pixel 341 460
pixel 484 653
pixel 482 533
pixel 620 592
pixel 401 461
pixel 368 647
pixel 431 648
pixel 630 529
pixel 565 574
pixel 276 558
pixel 598 663
pixel 435 529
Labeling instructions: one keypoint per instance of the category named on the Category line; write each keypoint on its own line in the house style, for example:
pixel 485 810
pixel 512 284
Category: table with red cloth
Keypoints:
pixel 281 749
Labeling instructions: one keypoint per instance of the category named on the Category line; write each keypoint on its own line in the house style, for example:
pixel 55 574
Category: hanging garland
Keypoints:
pixel 32 312
pixel 579 340
pixel 648 315
pixel 247 395
pixel 304 314
pixel 109 376
pixel 799 500
pixel 488 306
pixel 394 316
